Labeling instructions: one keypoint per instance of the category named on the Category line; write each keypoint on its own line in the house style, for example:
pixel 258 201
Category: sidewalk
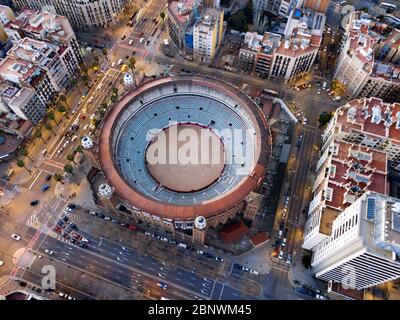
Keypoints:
pixel 257 258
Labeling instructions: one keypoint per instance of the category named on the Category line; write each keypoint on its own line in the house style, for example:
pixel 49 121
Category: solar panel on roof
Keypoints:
pixel 371 208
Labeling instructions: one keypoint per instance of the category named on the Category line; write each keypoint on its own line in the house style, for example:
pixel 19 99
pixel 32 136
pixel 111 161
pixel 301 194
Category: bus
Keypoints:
pixel 388 6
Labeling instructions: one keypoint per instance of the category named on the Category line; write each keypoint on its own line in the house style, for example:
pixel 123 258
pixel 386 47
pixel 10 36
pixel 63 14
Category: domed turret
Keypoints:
pixel 86 142
pixel 105 190
pixel 200 223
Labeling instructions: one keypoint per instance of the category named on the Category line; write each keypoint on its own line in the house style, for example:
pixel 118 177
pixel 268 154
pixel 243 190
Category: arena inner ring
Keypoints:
pixel 197 102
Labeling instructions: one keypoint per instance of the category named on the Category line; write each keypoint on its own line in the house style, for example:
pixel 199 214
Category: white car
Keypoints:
pixel 1 262
pixel 92 213
pixel 280 257
pixel 164 239
pixel 74 138
pixel 15 237
pixel 63 295
pixel 85 127
pixel 107 218
pixel 85 240
pixel 283 242
pixel 200 252
pixel 49 252
pixel 254 272
pixel 305 121
pixel 68 209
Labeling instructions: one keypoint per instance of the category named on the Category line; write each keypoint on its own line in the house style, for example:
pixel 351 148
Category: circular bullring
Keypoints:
pixel 219 159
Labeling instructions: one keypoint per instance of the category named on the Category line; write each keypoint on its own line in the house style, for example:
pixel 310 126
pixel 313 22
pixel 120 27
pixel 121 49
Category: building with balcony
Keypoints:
pixel 83 14
pixel 44 26
pixel 363 249
pixel 368 63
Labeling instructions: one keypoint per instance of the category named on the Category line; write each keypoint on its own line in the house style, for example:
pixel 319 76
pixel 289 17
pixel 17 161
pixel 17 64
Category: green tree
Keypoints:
pixel 71 157
pixel 132 63
pixel 68 168
pixel 114 90
pixel 49 127
pixel 79 149
pixel 64 99
pixel 114 98
pixel 21 164
pixel 58 177
pixel 38 134
pixel 104 105
pixel 85 79
pixel 75 83
pixel 52 117
pixel 162 15
pixel 105 51
pixel 324 118
pixel 238 21
pixel 24 152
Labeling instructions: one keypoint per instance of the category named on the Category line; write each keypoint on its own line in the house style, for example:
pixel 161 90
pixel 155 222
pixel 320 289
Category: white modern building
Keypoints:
pixel 363 249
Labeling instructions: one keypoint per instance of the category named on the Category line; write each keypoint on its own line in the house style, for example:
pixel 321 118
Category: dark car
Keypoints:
pixel 74 227
pixel 45 187
pixel 34 202
pixel 61 223
pixel 238 266
pixel 72 206
pixel 48 177
pixel 102 216
pixel 208 255
pixel 83 245
pixel 65 219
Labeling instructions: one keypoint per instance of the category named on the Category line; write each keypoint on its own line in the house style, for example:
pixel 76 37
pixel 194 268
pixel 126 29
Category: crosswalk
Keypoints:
pixel 279 265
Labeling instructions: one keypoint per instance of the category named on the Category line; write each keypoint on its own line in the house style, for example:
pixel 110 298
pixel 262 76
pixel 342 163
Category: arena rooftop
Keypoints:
pixel 184 191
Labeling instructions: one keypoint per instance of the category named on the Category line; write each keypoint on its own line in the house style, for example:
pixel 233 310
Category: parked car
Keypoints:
pixel 34 202
pixel 289 259
pixel 254 272
pixel 48 177
pixel 280 257
pixel 45 187
pixel 219 259
pixel 283 242
pixel 238 266
pixel 162 285
pixel 164 239
pixel 49 252
pixel 199 252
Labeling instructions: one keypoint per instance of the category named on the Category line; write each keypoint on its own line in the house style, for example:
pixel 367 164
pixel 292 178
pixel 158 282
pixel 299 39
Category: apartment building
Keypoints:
pixel 83 14
pixel 22 102
pixel 44 26
pixel 368 63
pixel 363 249
pixel 370 123
pixel 178 18
pixel 207 35
pixel 345 171
pixel 25 74
pixel 257 52
pixel 57 62
pixel 284 57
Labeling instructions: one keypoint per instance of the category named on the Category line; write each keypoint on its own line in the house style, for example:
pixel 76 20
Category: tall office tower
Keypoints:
pixel 364 247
